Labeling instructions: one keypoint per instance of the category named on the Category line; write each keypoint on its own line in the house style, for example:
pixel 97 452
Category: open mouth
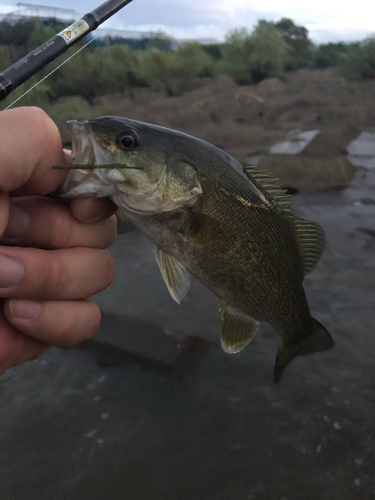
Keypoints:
pixel 81 181
pixel 82 150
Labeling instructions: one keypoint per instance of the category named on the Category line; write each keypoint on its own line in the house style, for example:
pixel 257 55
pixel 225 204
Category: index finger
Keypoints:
pixel 30 144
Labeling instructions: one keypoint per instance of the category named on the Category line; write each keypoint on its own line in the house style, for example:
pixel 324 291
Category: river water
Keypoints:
pixel 72 429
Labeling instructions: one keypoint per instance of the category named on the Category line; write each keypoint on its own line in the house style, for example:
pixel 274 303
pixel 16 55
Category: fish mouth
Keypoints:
pixel 82 150
pixel 83 182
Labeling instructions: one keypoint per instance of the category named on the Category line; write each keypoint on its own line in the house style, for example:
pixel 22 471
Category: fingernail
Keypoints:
pixel 25 309
pixel 92 207
pixel 17 223
pixel 11 272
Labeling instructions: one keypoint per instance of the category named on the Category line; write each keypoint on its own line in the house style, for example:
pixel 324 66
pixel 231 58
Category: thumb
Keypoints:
pixel 30 144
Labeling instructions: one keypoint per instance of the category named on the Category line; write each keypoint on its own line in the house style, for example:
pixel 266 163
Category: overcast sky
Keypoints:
pixel 326 20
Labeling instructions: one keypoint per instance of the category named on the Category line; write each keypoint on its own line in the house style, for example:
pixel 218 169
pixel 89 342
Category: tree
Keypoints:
pixel 4 58
pixel 268 53
pixel 161 41
pixel 249 58
pixel 17 35
pixel 359 61
pixel 235 55
pixel 329 54
pixel 301 53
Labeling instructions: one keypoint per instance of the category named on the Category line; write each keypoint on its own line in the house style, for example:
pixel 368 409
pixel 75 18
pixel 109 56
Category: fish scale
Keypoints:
pixel 231 227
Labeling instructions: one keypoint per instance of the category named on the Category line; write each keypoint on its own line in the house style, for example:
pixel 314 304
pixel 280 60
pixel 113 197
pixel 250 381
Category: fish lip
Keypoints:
pixel 82 150
pixel 84 182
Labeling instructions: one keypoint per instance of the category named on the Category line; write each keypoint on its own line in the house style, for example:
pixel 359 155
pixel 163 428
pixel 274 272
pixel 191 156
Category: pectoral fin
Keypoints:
pixel 237 330
pixel 175 276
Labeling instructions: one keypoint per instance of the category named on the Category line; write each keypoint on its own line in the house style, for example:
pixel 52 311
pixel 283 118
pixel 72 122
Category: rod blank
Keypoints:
pixel 26 67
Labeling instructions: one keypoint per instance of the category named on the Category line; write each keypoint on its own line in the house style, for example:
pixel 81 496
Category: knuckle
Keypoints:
pixel 54 277
pixel 61 228
pixel 41 121
pixel 64 333
pixel 36 113
pixel 75 330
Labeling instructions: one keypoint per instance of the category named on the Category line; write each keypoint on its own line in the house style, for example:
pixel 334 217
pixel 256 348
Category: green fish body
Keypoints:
pixel 231 227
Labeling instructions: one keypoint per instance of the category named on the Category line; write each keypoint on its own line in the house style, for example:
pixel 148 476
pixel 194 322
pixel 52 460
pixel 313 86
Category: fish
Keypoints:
pixel 230 226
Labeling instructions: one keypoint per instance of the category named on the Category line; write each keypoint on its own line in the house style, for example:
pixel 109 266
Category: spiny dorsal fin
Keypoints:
pixel 310 240
pixel 271 188
pixel 237 329
pixel 175 276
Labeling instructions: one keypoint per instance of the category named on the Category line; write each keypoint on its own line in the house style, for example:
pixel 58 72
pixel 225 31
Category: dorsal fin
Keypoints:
pixel 310 239
pixel 309 235
pixel 270 187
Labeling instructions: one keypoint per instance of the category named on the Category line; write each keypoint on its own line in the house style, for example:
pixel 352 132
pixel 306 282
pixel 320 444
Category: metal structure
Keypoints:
pixel 113 33
pixel 47 13
pixel 26 67
pixel 43 12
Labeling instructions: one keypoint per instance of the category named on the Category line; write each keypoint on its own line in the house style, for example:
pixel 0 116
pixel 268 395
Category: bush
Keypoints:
pixel 94 73
pixel 359 61
pixel 17 34
pixel 174 72
pixel 4 58
pixel 329 55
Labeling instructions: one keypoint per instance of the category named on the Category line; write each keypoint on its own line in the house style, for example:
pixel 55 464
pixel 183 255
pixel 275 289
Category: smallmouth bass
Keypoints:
pixel 232 227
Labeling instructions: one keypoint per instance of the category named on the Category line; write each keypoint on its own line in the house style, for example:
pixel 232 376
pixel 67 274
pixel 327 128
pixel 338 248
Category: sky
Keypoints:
pixel 326 20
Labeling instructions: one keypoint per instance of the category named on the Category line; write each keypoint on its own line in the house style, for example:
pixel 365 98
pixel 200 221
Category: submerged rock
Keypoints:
pixel 310 174
pixel 332 142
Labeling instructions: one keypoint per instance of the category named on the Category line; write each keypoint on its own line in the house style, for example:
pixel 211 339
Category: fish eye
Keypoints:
pixel 127 139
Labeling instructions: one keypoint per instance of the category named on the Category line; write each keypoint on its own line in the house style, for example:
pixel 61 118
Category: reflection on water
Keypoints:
pixel 362 150
pixel 295 143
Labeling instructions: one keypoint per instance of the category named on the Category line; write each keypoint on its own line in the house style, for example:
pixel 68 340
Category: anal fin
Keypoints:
pixel 175 276
pixel 238 329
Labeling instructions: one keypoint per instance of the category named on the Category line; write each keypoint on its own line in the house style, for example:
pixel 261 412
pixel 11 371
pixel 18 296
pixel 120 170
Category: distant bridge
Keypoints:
pixel 47 14
pixel 43 12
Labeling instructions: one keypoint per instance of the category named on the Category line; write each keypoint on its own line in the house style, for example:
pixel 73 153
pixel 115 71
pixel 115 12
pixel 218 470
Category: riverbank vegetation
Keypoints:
pixel 271 50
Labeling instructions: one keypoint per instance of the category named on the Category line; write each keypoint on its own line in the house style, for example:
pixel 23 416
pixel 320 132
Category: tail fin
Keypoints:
pixel 318 340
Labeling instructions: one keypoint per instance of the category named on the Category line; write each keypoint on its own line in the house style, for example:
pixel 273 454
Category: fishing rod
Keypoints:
pixel 26 67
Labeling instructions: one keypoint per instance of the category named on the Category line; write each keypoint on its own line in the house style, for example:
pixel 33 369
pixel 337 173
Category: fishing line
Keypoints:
pixel 49 74
pixel 93 167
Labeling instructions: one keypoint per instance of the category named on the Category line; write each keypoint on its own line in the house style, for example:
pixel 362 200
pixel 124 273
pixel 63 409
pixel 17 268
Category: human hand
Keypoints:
pixel 51 256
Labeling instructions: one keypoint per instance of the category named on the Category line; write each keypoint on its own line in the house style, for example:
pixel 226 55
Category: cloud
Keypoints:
pixel 191 19
pixel 4 9
pixel 201 31
pixel 327 20
pixel 326 35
